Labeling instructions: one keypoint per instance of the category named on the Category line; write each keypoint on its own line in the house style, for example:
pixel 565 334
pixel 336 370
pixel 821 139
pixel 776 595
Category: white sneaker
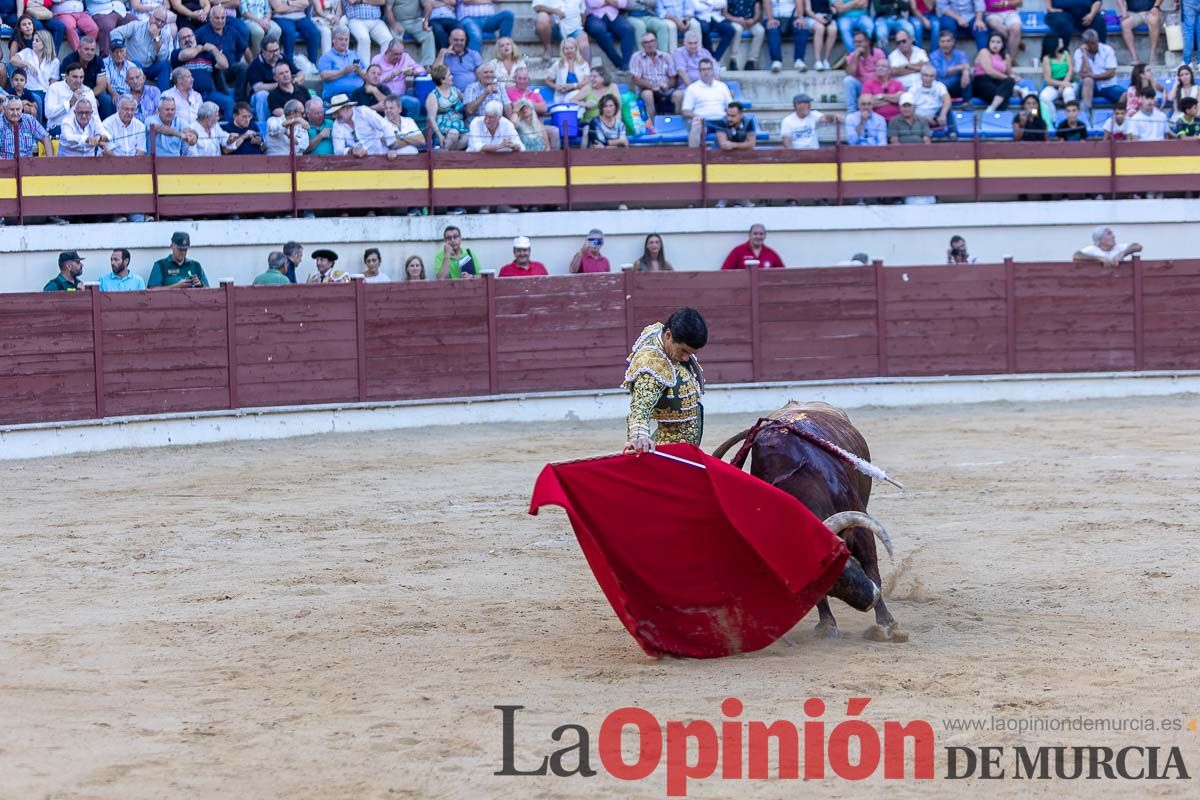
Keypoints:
pixel 719 204
pixel 800 65
pixel 484 210
pixel 505 209
pixel 826 65
pixel 744 204
pixel 776 66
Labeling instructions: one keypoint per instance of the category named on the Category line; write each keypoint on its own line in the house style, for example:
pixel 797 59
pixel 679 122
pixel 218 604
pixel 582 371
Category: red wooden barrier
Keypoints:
pixel 47 364
pixel 1171 325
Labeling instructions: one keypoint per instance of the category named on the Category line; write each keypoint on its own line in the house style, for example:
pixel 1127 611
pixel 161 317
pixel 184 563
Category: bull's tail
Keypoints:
pixel 725 446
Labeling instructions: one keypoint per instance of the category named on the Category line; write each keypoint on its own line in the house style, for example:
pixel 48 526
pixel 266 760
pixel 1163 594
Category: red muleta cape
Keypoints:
pixel 701 563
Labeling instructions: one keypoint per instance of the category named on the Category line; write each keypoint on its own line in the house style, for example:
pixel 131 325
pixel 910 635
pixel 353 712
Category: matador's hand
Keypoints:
pixel 639 444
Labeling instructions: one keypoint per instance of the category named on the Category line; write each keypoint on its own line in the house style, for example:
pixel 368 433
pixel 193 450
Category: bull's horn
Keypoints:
pixel 857 519
pixel 723 448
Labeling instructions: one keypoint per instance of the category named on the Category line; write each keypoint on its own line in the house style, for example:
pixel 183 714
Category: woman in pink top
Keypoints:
pixel 1139 77
pixel 994 81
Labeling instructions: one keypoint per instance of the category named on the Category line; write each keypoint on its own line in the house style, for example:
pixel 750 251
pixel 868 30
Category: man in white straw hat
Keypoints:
pixel 357 131
pixel 521 266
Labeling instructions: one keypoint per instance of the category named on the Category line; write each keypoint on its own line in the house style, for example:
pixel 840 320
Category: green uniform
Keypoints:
pixel 166 272
pixel 59 283
pixel 271 276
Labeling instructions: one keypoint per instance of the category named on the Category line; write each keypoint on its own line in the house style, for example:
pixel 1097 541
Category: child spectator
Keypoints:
pixel 1071 129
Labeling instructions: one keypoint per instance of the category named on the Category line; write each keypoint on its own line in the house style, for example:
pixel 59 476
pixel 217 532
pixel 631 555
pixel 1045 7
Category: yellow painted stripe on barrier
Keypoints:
pixel 246 183
pixel 772 173
pixel 514 178
pixel 638 174
pixel 1044 168
pixel 365 180
pixel 8 188
pixel 77 185
pixel 907 170
pixel 1158 165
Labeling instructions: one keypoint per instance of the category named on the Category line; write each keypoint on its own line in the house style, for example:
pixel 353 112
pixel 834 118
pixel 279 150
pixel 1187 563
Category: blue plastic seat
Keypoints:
pixel 1033 23
pixel 996 125
pixel 668 129
pixel 547 94
pixel 735 89
pixel 964 120
pixel 1099 117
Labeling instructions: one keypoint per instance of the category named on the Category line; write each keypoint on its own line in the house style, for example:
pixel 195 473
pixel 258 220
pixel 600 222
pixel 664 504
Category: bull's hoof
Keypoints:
pixel 885 633
pixel 827 630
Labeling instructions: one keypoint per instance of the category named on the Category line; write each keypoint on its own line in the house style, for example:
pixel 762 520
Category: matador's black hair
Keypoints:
pixel 688 327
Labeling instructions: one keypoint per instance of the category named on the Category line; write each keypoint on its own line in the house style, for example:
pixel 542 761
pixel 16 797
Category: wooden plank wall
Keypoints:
pixel 47 367
pixel 1171 331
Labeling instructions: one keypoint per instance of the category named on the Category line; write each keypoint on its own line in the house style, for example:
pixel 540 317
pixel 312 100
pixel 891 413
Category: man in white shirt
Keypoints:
pixel 492 133
pixel 62 96
pixel 1149 124
pixel 906 60
pixel 1104 248
pixel 931 99
pixel 278 139
pixel 799 129
pixel 1096 67
pixel 404 135
pixel 187 100
pixel 211 138
pixel 126 132
pixel 82 134
pixel 357 131
pixel 704 101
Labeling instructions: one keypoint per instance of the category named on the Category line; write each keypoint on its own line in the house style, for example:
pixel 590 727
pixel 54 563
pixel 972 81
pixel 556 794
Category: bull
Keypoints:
pixel 813 452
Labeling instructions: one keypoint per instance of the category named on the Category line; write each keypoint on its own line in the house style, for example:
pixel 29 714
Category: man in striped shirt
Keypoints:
pixel 22 128
pixel 655 76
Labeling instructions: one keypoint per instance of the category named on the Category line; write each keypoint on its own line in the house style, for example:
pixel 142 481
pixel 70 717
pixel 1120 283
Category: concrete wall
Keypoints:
pixel 695 239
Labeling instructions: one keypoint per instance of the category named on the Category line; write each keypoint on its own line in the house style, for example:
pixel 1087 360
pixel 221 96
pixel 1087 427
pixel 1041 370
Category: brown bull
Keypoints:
pixel 813 452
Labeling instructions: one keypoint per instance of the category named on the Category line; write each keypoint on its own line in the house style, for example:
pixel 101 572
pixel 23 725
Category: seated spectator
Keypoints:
pixel 21 131
pixel 1096 68
pixel 885 90
pixel 478 17
pixel 398 71
pixel 1184 86
pixel 187 99
pixel 232 40
pixel 149 43
pixel 341 70
pixel 746 15
pixel 282 130
pixel 643 17
pixel 1139 77
pixel 126 132
pixel 320 129
pixel 492 133
pixel 372 261
pixel 1149 123
pixel 408 17
pixel 994 79
pixel 72 16
pixel 454 261
pixel 923 17
pixel 404 137
pixel 17 82
pixel 604 22
pixel 327 15
pixel 890 19
pixel 167 133
pixel 788 18
pixel 414 269
pixel 607 129
pixel 485 89
pixel 94 76
pixel 1058 74
pixel 1104 248
pixel 202 61
pixel 507 60
pixel 1118 127
pixel 1071 129
pixel 799 129
pixel 1188 124
pixel 444 110
pixel 753 249
pixel 952 67
pixel 906 60
pixel 276 274
pixel 521 266
pixel 116 71
pixel 568 72
pixel 285 89
pixel 177 271
pixel 147 96
pixel 70 267
pixel 534 135
pixel 260 76
pixel 1029 125
pixel 860 66
pixel 357 131
pixel 119 278
pixel 366 23
pixel 654 256
pixel 211 138
pixel 1004 17
pixel 64 94
pixel 40 65
pixel 588 97
pixel 589 258
pixel 907 127
pixel 461 60
pixel 372 93
pixel 852 18
pixel 957 254
pixel 520 90
pixel 735 132
pixel 704 101
pixel 964 18
pixel 244 136
pixel 1068 17
pixel 655 76
pixel 444 23
pixel 688 57
pixel 327 271
pixel 864 127
pixel 294 20
pixel 564 17
pixel 680 19
pixel 256 14
pixel 714 27
pixel 931 100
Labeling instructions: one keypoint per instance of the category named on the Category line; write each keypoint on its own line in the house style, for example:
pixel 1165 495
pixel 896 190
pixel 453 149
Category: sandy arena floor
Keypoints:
pixel 335 617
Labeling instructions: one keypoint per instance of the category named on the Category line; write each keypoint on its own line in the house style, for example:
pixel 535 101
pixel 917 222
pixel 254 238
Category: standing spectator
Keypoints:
pixel 994 80
pixel 372 261
pixel 71 14
pixel 259 26
pixel 957 254
pixel 906 60
pixel 1190 19
pixel 799 129
pixel 1057 72
pixel 187 99
pixel 492 133
pixel 604 22
pixel 607 129
pixel 444 109
pixel 643 18
pixel 1184 86
pixel 341 69
pixel 126 132
pixel 484 90
pixel 372 93
pixel 404 137
pixel 244 136
pixel 860 67
pixel 923 17
pixel 63 95
pixel 885 90
pixel 1068 17
pixel 1149 124
pixel 443 22
pixel 146 95
pixel 754 249
pixel 414 269
pixel 865 128
pixel 1096 66
pixel 589 258
pixel 1188 124
pixel 1029 125
pixel 200 61
pixel 294 20
pixel 149 44
pixel 908 128
pixel 177 271
pixel 277 264
pixel 931 100
pixel 21 131
pixel 365 19
pixel 852 17
pixel 94 76
pixel 713 24
pixel 169 134
pixel 1118 127
pixel 412 17
pixel 260 76
pixel 82 134
pixel 120 278
pixel 320 129
pixel 1071 129
pixel 1104 248
pixel 567 17
pixel 964 18
pixel 357 131
pixel 704 101
pixel 233 41
pixel 568 72
pixel 680 16
pixel 746 15
pixel 454 261
pixel 654 256
pixel 952 67
pixel 889 19
pixel 294 253
pixel 787 18
pixel 327 272
pixel 211 138
pixel 1004 17
pixel 398 70
pixel 460 60
pixel 285 89
pixel 654 74
pixel 70 267
pixel 521 266
pixel 282 130
pixel 688 57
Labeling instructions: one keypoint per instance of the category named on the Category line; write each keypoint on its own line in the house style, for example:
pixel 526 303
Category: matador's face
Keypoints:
pixel 676 351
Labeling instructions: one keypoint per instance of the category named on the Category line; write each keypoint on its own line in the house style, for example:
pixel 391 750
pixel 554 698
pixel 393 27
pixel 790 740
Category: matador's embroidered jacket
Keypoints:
pixel 663 390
